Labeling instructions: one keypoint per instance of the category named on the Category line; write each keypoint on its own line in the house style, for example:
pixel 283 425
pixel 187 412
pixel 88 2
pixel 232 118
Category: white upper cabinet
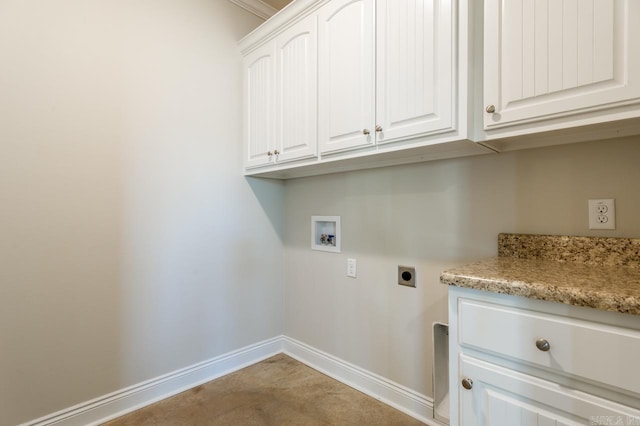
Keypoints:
pixel 548 59
pixel 415 68
pixel 347 72
pixel 336 85
pixel 280 106
pixel 296 98
pixel 386 71
pixel 259 91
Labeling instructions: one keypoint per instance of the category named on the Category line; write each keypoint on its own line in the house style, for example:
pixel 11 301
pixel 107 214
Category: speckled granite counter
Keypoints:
pixel 600 273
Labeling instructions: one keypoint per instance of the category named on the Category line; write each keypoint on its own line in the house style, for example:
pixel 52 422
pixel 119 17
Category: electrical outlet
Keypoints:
pixel 602 214
pixel 407 276
pixel 351 268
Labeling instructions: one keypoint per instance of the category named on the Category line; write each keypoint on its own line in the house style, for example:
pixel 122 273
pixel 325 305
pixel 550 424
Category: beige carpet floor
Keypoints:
pixel 278 391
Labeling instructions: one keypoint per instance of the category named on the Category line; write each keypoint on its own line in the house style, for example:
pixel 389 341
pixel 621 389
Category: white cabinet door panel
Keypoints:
pixel 296 99
pixel 552 58
pixel 346 80
pixel 259 90
pixel 415 51
pixel 503 397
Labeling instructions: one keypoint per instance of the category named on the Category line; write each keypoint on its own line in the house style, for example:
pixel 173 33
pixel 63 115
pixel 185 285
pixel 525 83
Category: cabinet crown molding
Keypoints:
pixel 284 19
pixel 257 7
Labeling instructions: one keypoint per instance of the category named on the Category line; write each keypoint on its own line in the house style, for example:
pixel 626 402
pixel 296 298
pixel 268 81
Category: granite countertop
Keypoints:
pixel 600 273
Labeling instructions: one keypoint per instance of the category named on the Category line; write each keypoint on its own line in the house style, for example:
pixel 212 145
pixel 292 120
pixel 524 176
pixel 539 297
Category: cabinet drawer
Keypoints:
pixel 593 351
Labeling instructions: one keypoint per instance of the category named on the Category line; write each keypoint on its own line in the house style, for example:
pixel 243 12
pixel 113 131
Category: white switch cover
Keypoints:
pixel 351 268
pixel 602 214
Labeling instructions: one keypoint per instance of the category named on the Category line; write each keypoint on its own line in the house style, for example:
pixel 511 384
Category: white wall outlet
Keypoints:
pixel 351 268
pixel 602 214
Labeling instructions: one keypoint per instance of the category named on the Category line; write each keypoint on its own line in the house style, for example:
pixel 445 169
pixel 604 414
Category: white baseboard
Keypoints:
pixel 124 401
pixel 121 402
pixel 397 396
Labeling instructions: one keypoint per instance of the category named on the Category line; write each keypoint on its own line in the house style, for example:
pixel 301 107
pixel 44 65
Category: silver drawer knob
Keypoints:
pixel 543 345
pixel 378 128
pixel 490 109
pixel 366 132
pixel 269 153
pixel 276 152
pixel 467 383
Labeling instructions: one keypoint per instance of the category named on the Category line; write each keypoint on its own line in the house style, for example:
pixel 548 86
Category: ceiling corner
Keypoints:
pixel 257 7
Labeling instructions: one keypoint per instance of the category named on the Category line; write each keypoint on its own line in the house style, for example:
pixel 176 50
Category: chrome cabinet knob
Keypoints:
pixel 467 383
pixel 276 152
pixel 378 128
pixel 366 132
pixel 490 109
pixel 543 345
pixel 269 153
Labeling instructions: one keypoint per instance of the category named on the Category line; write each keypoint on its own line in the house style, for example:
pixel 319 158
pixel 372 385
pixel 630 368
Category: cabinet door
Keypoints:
pixel 415 70
pixel 346 80
pixel 503 397
pixel 545 59
pixel 296 98
pixel 259 91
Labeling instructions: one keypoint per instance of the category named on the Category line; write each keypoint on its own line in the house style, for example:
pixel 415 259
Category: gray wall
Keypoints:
pixel 433 216
pixel 130 244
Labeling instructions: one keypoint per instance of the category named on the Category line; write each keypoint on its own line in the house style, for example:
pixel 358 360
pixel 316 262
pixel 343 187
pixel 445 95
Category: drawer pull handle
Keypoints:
pixel 543 345
pixel 467 383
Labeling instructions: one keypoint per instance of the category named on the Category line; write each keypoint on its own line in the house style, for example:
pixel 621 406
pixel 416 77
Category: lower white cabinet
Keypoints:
pixel 503 397
pixel 516 361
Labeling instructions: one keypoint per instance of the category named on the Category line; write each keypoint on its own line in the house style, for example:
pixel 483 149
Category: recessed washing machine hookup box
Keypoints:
pixel 325 233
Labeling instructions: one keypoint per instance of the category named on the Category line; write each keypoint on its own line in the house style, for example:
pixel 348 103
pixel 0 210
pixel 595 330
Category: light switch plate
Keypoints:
pixel 351 268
